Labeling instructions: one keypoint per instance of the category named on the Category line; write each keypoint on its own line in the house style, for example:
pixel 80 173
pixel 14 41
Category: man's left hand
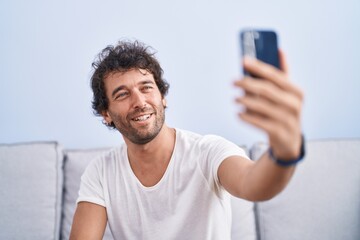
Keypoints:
pixel 273 104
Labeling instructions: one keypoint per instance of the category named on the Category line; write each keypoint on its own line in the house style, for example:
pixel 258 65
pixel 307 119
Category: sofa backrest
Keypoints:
pixel 322 201
pixel 30 190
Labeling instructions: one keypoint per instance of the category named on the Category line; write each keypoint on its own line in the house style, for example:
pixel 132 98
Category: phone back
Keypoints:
pixel 261 45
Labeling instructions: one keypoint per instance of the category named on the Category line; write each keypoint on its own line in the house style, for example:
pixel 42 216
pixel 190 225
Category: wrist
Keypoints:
pixel 289 162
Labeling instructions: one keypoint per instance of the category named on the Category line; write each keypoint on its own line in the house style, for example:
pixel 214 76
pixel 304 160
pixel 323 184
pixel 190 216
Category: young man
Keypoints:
pixel 167 183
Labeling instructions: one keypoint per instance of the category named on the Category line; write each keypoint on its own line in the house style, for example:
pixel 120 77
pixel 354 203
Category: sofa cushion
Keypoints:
pixel 322 201
pixel 74 166
pixel 30 190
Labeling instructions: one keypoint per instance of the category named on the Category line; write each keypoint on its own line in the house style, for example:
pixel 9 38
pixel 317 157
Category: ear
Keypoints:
pixel 107 117
pixel 164 102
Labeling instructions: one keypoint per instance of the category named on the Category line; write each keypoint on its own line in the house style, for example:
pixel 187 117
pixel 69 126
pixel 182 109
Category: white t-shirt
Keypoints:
pixel 187 203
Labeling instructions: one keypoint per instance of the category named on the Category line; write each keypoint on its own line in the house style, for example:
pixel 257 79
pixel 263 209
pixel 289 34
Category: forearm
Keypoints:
pixel 265 179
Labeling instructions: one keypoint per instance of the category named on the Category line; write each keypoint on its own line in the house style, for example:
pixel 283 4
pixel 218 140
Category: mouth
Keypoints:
pixel 142 118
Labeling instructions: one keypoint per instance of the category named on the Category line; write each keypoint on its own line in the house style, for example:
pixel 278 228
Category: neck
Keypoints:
pixel 156 151
pixel 150 161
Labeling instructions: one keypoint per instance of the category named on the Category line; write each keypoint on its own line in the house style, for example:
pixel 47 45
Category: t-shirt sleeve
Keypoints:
pixel 91 188
pixel 215 150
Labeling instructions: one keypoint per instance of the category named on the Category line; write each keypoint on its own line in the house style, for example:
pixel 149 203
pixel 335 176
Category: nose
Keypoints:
pixel 138 99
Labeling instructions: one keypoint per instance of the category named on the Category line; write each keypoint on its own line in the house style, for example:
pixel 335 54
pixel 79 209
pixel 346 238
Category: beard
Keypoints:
pixel 141 134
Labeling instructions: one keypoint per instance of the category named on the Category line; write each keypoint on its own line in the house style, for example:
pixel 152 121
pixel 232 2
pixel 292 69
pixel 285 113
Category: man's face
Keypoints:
pixel 136 106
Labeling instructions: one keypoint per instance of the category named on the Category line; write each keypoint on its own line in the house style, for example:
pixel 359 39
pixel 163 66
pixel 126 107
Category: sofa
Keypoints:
pixel 39 182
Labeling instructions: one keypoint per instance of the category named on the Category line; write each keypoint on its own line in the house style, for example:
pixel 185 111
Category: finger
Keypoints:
pixel 279 136
pixel 283 63
pixel 273 94
pixel 271 73
pixel 266 109
pixel 260 122
pixel 262 69
pixel 274 129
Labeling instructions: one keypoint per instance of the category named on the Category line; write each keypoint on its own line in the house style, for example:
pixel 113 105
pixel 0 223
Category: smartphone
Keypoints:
pixel 260 44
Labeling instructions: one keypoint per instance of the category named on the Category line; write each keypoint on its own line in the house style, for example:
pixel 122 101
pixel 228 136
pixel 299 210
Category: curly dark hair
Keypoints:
pixel 126 55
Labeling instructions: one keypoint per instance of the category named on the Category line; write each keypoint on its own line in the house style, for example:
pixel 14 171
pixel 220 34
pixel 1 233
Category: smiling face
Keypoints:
pixel 136 106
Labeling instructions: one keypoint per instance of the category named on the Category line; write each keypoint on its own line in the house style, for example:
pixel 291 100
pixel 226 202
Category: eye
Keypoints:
pixel 121 95
pixel 147 88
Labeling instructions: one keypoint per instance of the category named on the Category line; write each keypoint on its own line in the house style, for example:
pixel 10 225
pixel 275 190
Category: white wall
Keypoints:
pixel 47 48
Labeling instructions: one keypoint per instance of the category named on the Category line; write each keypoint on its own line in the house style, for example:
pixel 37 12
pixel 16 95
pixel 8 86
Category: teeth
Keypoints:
pixel 142 118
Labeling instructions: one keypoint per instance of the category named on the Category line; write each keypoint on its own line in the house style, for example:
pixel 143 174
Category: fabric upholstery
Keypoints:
pixel 30 190
pixel 74 166
pixel 322 200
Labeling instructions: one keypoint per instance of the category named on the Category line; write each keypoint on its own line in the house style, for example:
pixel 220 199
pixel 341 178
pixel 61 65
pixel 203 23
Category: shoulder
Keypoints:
pixel 106 158
pixel 189 136
pixel 207 142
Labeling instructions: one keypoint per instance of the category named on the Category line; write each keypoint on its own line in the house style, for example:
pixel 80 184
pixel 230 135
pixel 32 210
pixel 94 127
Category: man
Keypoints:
pixel 167 183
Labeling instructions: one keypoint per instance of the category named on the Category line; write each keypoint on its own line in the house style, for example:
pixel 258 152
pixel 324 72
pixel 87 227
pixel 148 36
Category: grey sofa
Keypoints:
pixel 39 182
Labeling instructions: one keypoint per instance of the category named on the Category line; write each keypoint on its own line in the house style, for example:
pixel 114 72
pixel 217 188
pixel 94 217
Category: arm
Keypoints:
pixel 274 105
pixel 258 181
pixel 89 222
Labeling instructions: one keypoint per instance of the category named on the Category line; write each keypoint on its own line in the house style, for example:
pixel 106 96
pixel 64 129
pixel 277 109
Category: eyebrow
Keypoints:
pixel 121 87
pixel 146 82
